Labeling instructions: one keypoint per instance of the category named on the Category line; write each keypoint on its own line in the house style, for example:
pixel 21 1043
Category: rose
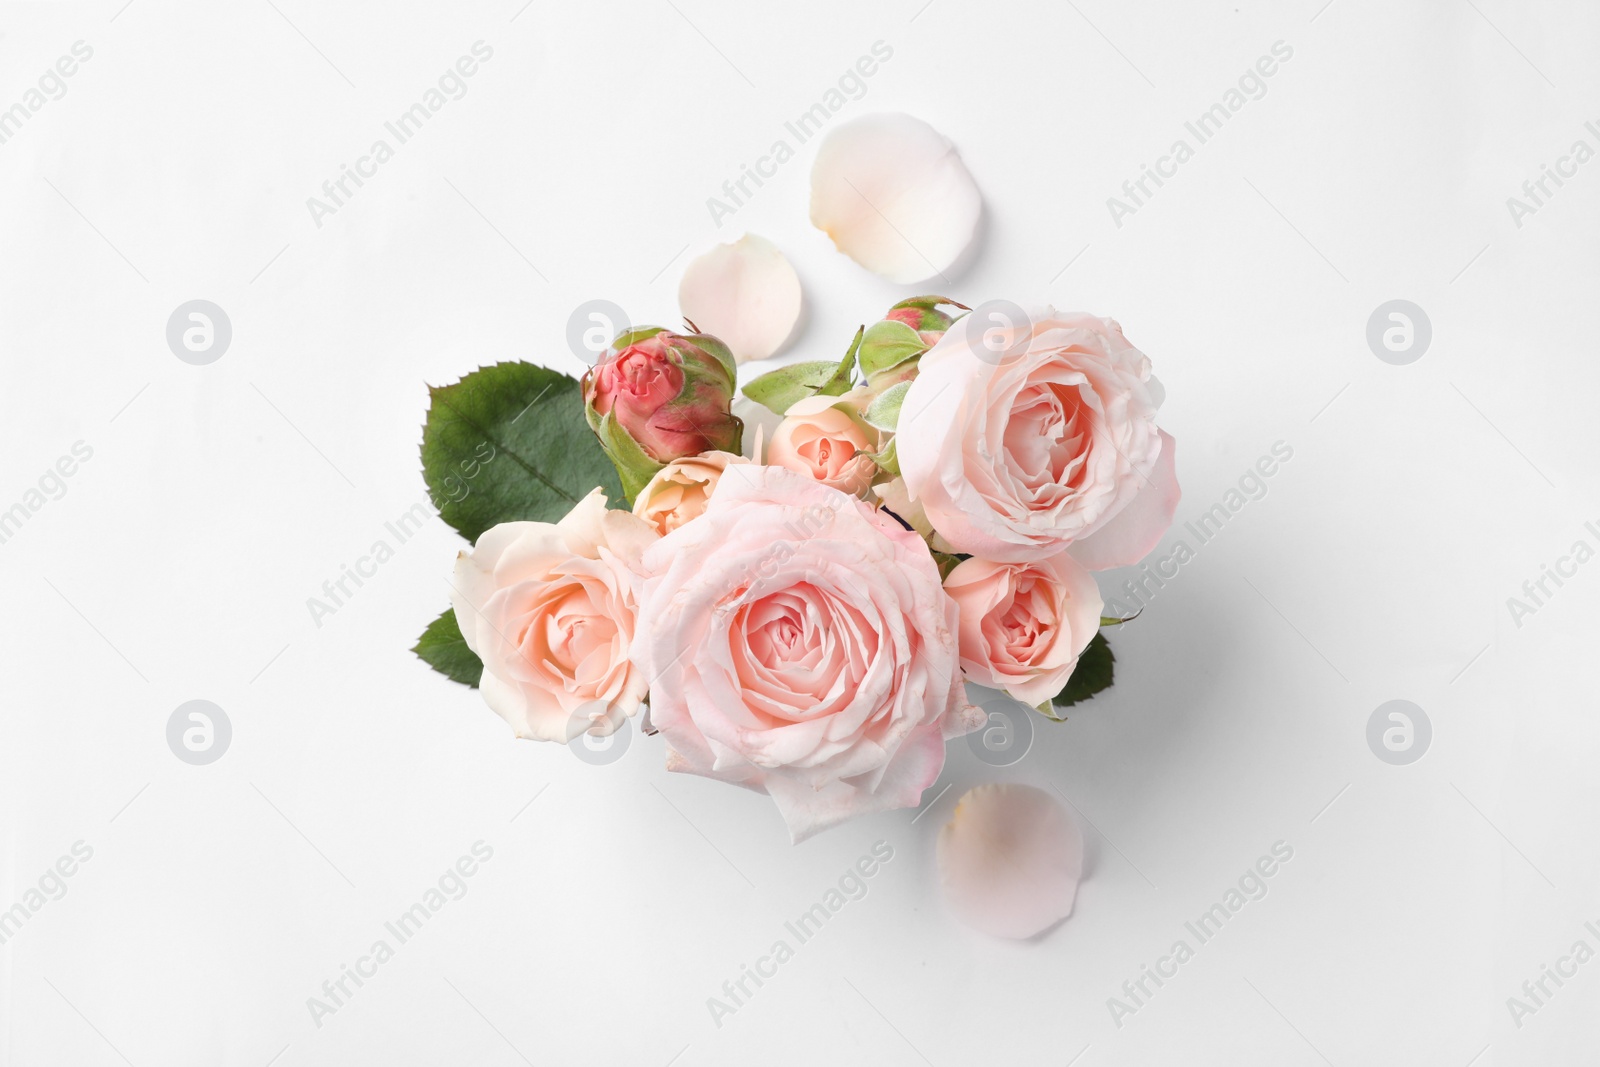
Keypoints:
pixel 1019 441
pixel 657 396
pixel 549 608
pixel 679 491
pixel 1023 625
pixel 800 644
pixel 823 439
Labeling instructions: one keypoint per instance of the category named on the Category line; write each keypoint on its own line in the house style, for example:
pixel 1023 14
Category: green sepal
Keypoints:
pixel 714 348
pixel 633 464
pixel 884 411
pixel 888 459
pixel 1049 712
pixel 931 319
pixel 633 335
pixel 888 344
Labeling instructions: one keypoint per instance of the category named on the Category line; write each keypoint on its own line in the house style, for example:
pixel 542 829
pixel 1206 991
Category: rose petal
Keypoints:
pixel 745 294
pixel 1010 859
pixel 895 197
pixel 1130 535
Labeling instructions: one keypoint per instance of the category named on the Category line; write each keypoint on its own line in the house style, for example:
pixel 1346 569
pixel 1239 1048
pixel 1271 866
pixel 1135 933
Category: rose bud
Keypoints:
pixel 657 396
pixel 822 438
pixel 679 491
pixel 892 347
pixel 922 314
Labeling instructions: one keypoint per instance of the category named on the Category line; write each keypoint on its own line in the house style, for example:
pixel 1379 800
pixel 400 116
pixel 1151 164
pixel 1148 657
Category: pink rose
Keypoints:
pixel 1020 441
pixel 549 608
pixel 799 643
pixel 1023 625
pixel 679 491
pixel 822 439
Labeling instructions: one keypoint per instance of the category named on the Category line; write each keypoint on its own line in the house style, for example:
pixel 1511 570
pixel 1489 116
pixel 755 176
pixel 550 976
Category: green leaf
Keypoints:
pixel 888 344
pixel 1092 674
pixel 779 389
pixel 444 649
pixel 510 442
pixel 884 411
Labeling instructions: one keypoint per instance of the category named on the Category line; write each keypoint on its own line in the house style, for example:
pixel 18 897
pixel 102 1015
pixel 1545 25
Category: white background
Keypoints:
pixel 219 498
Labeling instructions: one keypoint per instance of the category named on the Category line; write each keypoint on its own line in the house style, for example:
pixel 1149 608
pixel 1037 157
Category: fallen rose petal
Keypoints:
pixel 895 197
pixel 745 294
pixel 1010 859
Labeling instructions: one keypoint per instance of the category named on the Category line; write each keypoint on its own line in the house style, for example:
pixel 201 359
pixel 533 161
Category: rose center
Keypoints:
pixel 1048 436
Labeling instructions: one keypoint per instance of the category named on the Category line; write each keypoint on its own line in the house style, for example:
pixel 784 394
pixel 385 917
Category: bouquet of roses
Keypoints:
pixel 794 601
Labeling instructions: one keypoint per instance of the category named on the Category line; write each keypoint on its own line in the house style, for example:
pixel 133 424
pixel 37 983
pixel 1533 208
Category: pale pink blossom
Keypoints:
pixel 1022 440
pixel 550 609
pixel 798 642
pixel 1023 625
